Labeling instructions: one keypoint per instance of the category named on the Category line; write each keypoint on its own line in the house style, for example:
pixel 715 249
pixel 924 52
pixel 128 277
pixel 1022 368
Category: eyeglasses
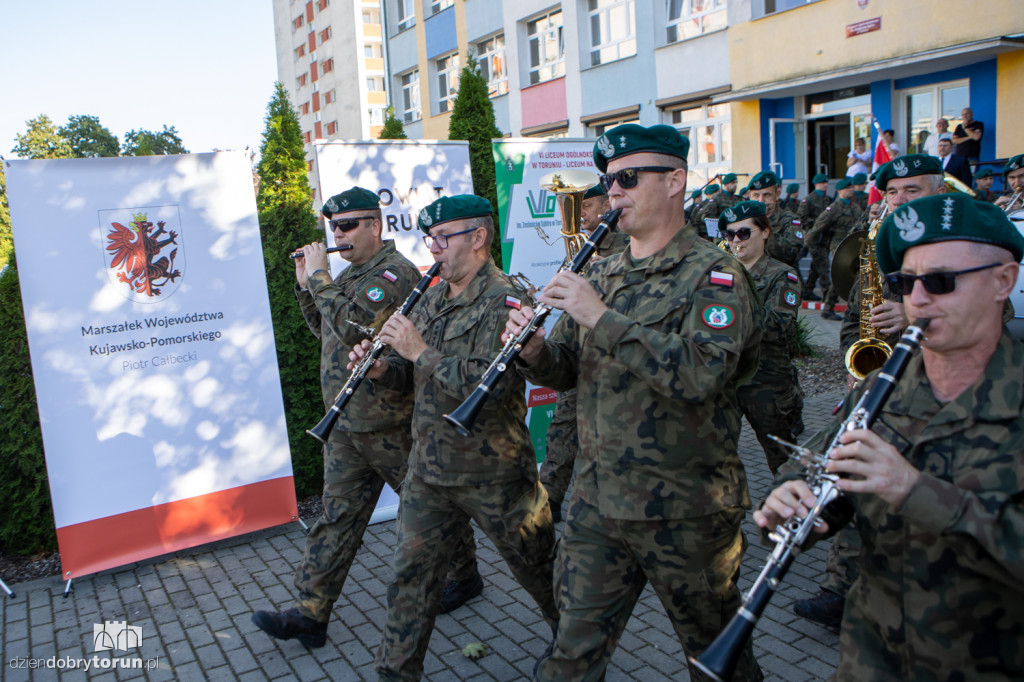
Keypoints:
pixel 743 234
pixel 628 177
pixel 346 224
pixel 937 283
pixel 442 239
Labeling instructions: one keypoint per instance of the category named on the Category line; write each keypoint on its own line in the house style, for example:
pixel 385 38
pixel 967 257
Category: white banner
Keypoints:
pixel 152 352
pixel 407 175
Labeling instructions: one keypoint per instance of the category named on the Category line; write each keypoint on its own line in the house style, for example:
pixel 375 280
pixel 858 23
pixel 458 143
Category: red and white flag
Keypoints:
pixel 882 157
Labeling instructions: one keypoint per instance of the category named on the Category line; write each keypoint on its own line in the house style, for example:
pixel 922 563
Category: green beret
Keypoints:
pixel 728 177
pixel 943 217
pixel 908 166
pixel 860 179
pixel 447 209
pixel 355 199
pixel 711 189
pixel 630 138
pixel 595 191
pixel 844 183
pixel 741 211
pixel 764 180
pixel 792 188
pixel 1013 164
pixel 819 178
pixel 983 173
pixel 695 194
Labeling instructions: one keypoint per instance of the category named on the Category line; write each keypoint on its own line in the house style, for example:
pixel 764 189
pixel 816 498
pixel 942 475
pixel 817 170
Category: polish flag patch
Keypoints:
pixel 513 302
pixel 792 277
pixel 389 276
pixel 721 278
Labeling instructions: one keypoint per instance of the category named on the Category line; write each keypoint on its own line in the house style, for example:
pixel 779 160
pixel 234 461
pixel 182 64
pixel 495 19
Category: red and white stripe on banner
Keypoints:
pixel 818 305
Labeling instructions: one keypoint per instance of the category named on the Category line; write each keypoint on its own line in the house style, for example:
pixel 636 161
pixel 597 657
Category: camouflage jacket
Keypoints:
pixel 941 590
pixel 779 289
pixel 658 418
pixel 719 201
pixel 861 200
pixel 834 224
pixel 787 239
pixel 464 336
pixel 614 242
pixel 365 294
pixel 811 206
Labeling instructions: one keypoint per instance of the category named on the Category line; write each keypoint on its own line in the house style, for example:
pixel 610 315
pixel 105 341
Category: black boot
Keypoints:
pixel 458 592
pixel 825 608
pixel 832 315
pixel 291 624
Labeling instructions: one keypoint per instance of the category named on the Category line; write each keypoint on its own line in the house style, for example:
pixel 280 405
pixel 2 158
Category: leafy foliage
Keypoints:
pixel 393 128
pixel 473 120
pixel 41 141
pixel 804 334
pixel 89 138
pixel 6 237
pixel 287 221
pixel 147 143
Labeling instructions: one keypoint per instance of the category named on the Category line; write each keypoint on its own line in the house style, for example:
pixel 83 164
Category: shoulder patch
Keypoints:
pixel 792 277
pixel 718 316
pixel 721 278
pixel 375 294
pixel 799 234
pixel 513 302
pixel 790 297
pixel 389 276
pixel 796 221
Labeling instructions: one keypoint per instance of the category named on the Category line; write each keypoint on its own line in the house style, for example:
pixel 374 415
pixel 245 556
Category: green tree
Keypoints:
pixel 89 138
pixel 41 141
pixel 147 143
pixel 6 237
pixel 473 120
pixel 393 128
pixel 287 221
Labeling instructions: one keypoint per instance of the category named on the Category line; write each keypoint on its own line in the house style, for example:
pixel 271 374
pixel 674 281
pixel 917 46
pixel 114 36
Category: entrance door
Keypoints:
pixel 786 145
pixel 830 145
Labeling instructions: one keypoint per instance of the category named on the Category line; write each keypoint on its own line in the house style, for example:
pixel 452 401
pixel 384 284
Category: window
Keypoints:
pixel 375 84
pixel 332 127
pixel 601 128
pixel 923 107
pixel 406 14
pixel 372 50
pixel 325 35
pixel 447 81
pixel 612 30
pixel 691 18
pixel 547 52
pixel 307 137
pixel 709 128
pixel 492 65
pixel 305 108
pixel 440 5
pixel 411 97
pixel 328 65
pixel 371 16
pixel 300 51
pixel 329 97
pixel 301 80
pixel 297 23
pixel 323 4
pixel 376 116
pixel 762 8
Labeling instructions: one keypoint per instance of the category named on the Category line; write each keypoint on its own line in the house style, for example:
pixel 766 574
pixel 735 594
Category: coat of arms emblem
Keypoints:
pixel 142 253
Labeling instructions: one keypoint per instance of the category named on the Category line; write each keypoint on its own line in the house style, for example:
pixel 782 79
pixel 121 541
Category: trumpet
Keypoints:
pixel 719 660
pixel 322 431
pixel 1014 199
pixel 464 415
pixel 334 249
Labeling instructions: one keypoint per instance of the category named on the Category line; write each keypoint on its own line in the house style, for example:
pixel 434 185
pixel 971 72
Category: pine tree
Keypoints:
pixel 473 120
pixel 287 221
pixel 6 237
pixel 393 128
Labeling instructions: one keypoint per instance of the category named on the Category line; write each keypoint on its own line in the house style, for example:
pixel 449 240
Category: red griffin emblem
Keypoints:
pixel 134 252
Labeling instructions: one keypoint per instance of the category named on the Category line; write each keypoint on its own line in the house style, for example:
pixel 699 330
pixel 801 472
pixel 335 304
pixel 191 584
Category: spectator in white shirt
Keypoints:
pixel 931 145
pixel 859 160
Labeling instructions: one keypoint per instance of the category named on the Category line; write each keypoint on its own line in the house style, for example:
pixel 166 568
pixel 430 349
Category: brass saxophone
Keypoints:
pixel 869 352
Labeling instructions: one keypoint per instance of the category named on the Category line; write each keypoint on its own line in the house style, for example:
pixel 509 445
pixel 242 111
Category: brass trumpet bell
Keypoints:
pixel 570 186
pixel 865 356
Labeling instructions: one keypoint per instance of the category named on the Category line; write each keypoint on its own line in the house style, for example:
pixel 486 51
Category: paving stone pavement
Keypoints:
pixel 194 610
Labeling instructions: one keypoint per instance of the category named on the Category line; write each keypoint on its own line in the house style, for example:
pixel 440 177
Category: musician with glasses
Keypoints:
pixel 936 486
pixel 1013 181
pixel 655 341
pixel 371 441
pixel 440 353
pixel 772 400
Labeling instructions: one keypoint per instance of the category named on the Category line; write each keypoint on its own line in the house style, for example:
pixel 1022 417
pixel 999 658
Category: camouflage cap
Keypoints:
pixel 1015 163
pixel 983 173
pixel 595 191
pixel 819 178
pixel 764 180
pixel 792 188
pixel 860 179
pixel 844 183
pixel 630 138
pixel 355 199
pixel 711 189
pixel 447 209
pixel 741 211
pixel 728 177
pixel 943 217
pixel 907 166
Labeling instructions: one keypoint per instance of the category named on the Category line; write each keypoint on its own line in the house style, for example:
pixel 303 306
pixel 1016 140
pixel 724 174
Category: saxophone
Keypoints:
pixel 869 352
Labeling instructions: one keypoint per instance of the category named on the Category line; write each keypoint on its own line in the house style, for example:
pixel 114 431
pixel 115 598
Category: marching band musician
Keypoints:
pixel 811 206
pixel 371 442
pixel 772 400
pixel 655 340
pixel 936 486
pixel 1013 180
pixel 787 237
pixel 829 229
pixel 440 353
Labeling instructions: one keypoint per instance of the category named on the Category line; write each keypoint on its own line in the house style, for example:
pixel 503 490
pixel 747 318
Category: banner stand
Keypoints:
pixel 6 589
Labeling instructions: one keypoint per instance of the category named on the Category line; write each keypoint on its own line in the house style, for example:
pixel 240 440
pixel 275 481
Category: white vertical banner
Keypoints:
pixel 152 351
pixel 407 175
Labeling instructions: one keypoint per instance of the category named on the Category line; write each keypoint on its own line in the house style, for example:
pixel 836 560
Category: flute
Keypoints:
pixel 334 249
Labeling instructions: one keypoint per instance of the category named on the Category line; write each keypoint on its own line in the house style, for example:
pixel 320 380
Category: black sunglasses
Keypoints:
pixel 936 283
pixel 346 224
pixel 743 234
pixel 628 177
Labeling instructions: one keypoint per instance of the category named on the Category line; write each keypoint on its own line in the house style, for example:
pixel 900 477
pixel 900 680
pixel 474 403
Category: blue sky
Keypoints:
pixel 207 67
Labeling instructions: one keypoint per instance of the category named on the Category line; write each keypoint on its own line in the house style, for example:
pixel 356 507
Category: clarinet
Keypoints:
pixel 464 415
pixel 719 660
pixel 323 430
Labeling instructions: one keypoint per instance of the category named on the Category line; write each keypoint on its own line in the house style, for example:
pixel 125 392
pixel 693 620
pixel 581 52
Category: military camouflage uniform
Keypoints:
pixel 772 400
pixel 562 440
pixel 371 442
pixel 787 238
pixel 829 230
pixel 861 200
pixel 941 590
pixel 713 208
pixel 813 205
pixel 660 490
pixel 490 475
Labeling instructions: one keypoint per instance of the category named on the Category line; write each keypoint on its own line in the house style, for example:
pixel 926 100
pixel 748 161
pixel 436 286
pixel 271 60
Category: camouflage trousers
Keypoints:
pixel 356 466
pixel 772 409
pixel 515 515
pixel 604 565
pixel 563 444
pixel 819 270
pixel 843 564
